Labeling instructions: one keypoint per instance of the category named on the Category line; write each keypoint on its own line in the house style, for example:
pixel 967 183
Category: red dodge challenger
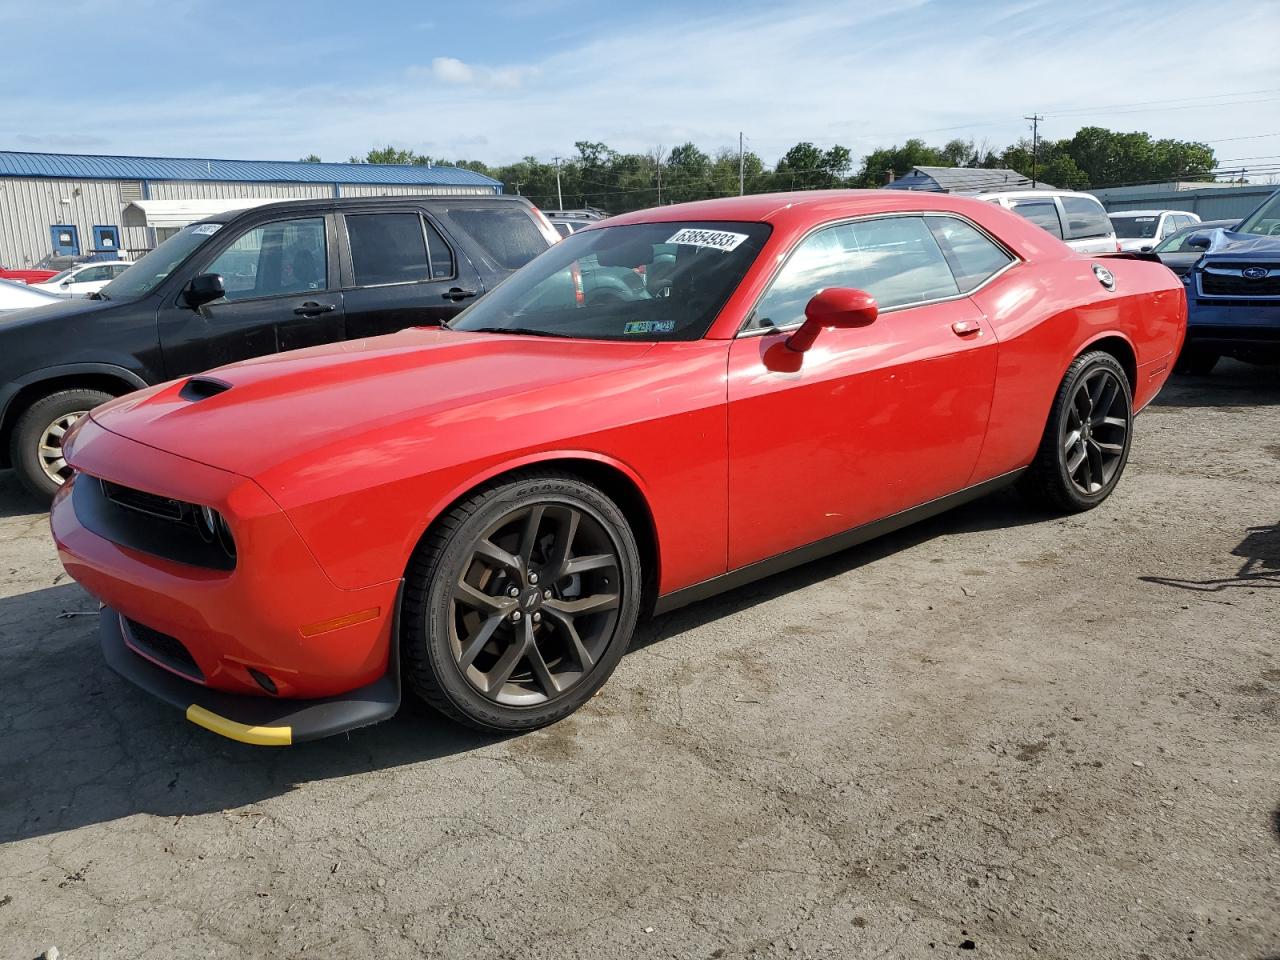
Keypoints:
pixel 660 407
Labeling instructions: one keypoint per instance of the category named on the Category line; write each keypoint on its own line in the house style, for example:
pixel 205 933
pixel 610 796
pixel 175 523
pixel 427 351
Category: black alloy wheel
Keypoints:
pixel 520 602
pixel 1096 431
pixel 1085 445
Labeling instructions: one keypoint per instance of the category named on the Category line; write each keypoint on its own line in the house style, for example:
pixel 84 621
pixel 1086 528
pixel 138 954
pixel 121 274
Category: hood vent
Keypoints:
pixel 202 388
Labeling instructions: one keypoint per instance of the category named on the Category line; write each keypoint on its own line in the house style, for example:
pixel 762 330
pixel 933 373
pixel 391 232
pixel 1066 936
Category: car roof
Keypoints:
pixel 1026 194
pixel 1203 225
pixel 1147 213
pixel 330 203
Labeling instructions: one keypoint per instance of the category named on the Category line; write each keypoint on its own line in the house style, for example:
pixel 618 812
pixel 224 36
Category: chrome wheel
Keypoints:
pixel 1096 431
pixel 51 459
pixel 535 604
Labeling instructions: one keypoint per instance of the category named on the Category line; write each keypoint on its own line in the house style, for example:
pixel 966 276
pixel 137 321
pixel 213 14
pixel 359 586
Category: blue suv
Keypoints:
pixel 1233 293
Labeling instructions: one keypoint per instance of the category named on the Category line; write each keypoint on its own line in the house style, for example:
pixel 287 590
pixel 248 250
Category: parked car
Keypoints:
pixel 1143 229
pixel 83 279
pixel 15 296
pixel 488 507
pixel 25 276
pixel 1176 251
pixel 1233 293
pixel 567 222
pixel 242 284
pixel 1078 219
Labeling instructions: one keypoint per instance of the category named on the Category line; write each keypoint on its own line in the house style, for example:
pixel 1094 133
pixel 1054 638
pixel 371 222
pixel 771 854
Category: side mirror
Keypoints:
pixel 205 288
pixel 1146 248
pixel 1200 241
pixel 833 308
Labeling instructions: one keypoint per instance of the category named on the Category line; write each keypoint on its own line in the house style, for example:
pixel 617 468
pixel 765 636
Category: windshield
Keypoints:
pixel 646 281
pixel 145 275
pixel 1265 220
pixel 1135 228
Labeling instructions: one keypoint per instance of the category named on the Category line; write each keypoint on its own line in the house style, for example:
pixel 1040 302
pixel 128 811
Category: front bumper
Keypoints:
pixel 1233 322
pixel 259 720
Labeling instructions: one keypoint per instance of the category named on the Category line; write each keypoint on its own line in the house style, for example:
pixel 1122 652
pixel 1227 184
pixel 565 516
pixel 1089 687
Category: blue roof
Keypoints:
pixel 89 166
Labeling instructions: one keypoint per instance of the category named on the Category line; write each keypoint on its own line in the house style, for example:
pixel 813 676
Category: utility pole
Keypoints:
pixel 1035 145
pixel 740 160
pixel 659 176
pixel 559 196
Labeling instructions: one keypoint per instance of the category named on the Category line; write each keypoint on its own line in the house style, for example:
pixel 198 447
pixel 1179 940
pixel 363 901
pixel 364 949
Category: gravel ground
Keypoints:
pixel 997 732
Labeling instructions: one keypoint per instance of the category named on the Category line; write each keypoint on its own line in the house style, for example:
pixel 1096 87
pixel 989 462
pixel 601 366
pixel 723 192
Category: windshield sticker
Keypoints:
pixel 1144 219
pixel 206 229
pixel 716 239
pixel 649 326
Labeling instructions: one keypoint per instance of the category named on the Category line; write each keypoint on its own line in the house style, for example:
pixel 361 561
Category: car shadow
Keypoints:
pixel 79 745
pixel 1232 384
pixel 1001 510
pixel 1260 552
pixel 14 499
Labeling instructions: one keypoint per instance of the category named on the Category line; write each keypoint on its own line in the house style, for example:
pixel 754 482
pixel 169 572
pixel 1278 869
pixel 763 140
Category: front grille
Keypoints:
pixel 1233 284
pixel 148 503
pixel 164 648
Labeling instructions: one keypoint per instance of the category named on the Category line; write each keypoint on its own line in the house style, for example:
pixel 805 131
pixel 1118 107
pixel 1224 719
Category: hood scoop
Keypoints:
pixel 202 388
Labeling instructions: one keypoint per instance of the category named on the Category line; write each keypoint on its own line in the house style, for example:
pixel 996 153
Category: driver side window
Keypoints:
pixel 288 256
pixel 895 259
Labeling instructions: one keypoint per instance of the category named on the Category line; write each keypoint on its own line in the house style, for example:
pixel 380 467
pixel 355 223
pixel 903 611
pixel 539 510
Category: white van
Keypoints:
pixel 1077 219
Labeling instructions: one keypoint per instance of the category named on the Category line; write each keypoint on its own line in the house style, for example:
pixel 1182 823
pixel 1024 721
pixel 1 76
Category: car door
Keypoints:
pixel 280 277
pixel 399 271
pixel 873 420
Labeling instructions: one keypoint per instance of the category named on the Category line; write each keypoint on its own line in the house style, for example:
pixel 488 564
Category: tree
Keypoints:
pixel 310 158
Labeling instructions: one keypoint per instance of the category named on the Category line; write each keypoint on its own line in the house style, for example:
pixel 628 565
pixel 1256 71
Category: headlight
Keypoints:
pixel 212 527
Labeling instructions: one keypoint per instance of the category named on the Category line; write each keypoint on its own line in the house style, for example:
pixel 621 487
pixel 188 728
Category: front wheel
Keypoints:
pixel 36 444
pixel 520 603
pixel 1086 442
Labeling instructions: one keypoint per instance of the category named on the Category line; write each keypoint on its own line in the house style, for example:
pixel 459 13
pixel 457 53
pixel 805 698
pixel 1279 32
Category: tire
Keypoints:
pixel 557 640
pixel 44 419
pixel 1058 478
pixel 1196 361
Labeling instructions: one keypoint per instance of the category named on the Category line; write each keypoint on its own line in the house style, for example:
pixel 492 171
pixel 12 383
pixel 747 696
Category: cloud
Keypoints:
pixel 453 71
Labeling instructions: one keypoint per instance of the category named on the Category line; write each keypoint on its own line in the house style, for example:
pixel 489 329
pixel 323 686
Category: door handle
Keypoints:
pixel 966 328
pixel 313 309
pixel 457 293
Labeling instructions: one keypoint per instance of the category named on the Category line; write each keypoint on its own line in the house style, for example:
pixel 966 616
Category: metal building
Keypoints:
pixel 75 204
pixel 1210 201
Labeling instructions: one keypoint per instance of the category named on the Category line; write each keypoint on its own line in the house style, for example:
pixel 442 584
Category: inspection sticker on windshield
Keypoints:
pixel 718 239
pixel 206 229
pixel 649 326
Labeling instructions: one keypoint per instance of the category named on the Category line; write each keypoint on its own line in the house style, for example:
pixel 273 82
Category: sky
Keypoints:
pixel 498 81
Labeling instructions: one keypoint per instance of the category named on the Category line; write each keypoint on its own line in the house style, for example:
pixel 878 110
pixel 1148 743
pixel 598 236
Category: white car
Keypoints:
pixel 84 278
pixel 1143 229
pixel 18 296
pixel 1077 219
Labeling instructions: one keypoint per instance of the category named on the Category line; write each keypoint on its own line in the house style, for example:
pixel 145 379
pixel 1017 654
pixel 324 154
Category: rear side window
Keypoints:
pixel 387 248
pixel 973 256
pixel 1043 213
pixel 1085 218
pixel 895 259
pixel 506 234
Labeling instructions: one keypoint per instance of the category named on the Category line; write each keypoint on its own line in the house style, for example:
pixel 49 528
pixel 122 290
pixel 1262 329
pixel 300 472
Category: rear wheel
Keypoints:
pixel 1086 441
pixel 520 603
pixel 36 444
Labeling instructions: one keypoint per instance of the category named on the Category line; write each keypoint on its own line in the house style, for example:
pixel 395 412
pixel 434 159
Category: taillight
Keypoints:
pixel 547 228
pixel 579 295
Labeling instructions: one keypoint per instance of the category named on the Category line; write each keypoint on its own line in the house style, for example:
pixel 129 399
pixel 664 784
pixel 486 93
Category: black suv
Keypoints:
pixel 243 284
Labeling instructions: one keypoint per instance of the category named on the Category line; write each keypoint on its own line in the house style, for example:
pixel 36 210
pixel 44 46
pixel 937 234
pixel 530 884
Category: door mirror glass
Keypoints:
pixel 204 289
pixel 834 307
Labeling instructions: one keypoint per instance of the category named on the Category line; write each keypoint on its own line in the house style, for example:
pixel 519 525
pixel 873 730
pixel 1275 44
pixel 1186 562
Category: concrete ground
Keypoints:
pixel 998 732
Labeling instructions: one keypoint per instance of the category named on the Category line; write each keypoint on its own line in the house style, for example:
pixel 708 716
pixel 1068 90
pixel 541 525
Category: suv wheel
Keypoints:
pixel 36 445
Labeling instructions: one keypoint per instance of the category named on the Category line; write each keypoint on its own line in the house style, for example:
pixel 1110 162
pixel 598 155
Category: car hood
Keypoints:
pixel 1243 246
pixel 252 416
pixel 54 312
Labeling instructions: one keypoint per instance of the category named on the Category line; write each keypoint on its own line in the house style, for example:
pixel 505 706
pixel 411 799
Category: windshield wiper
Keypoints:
pixel 518 331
